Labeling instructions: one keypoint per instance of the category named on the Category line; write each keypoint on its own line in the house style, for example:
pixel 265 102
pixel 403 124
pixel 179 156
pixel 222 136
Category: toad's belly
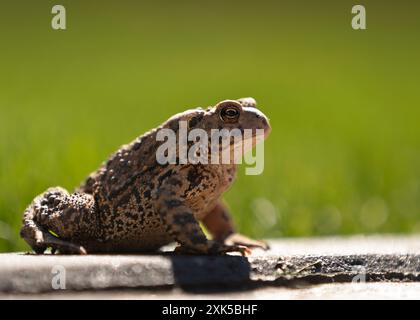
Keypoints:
pixel 146 233
pixel 142 242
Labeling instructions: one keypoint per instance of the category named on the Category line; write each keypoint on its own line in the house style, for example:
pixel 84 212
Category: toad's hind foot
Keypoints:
pixel 44 240
pixel 59 245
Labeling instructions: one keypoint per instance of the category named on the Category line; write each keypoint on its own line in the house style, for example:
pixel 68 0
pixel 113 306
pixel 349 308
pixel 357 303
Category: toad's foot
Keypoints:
pixel 44 240
pixel 61 246
pixel 241 240
pixel 220 225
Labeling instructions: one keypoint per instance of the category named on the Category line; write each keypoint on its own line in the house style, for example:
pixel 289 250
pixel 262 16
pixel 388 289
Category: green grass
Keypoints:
pixel 344 153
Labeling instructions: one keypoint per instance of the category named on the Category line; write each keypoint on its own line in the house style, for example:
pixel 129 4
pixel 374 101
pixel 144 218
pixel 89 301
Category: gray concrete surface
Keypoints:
pixel 386 266
pixel 330 291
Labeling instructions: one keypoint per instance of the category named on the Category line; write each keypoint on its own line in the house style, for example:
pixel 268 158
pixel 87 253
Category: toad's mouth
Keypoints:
pixel 247 143
pixel 267 132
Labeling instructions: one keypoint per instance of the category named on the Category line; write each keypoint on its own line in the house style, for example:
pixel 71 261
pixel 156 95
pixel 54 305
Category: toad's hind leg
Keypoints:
pixel 54 211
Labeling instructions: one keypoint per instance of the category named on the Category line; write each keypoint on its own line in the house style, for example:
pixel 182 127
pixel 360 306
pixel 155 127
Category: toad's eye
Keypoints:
pixel 229 114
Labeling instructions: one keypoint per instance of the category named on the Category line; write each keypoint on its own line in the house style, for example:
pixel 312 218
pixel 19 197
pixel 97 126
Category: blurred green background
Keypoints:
pixel 344 153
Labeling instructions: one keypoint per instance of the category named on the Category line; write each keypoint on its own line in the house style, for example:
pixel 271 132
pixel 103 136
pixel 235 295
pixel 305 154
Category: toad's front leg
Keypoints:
pixel 183 227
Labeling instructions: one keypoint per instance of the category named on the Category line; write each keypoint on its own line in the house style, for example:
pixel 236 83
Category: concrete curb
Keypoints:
pixel 24 273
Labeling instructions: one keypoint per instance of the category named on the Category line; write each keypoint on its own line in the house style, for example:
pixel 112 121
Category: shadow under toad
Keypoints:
pixel 211 273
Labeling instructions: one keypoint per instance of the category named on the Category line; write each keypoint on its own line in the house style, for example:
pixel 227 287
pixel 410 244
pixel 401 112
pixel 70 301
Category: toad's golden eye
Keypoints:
pixel 229 114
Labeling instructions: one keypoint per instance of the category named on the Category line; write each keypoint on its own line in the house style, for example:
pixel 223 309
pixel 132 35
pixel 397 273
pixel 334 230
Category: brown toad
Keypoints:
pixel 132 203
